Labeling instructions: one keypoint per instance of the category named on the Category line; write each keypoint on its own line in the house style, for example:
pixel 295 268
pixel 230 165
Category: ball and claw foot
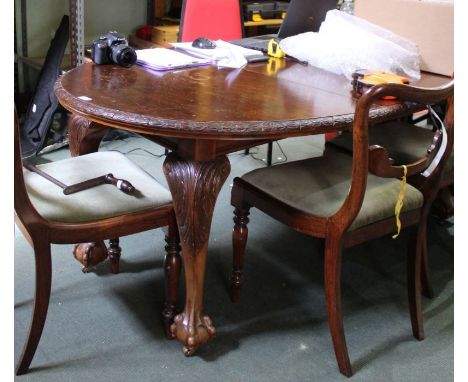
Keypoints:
pixel 90 254
pixel 192 336
pixel 188 352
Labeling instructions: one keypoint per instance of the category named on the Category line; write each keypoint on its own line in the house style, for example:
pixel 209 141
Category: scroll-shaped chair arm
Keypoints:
pixel 380 164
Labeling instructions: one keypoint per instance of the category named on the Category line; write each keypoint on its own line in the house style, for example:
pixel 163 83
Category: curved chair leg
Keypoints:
pixel 415 249
pixel 333 299
pixel 426 281
pixel 41 304
pixel 114 252
pixel 172 267
pixel 239 241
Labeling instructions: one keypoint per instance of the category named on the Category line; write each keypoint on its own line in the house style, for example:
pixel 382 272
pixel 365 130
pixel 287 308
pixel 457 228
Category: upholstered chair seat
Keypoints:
pixel 95 203
pixel 318 186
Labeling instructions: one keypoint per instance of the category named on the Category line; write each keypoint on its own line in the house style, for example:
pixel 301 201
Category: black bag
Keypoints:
pixel 43 105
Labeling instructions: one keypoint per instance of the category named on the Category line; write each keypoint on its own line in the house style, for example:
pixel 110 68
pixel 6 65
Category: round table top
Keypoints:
pixel 257 101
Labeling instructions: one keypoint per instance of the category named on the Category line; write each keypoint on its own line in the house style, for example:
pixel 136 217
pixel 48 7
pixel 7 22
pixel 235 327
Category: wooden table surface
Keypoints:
pixel 201 114
pixel 214 103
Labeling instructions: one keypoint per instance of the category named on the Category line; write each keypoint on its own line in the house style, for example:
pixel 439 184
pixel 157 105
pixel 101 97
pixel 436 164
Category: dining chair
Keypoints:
pixel 45 216
pixel 406 142
pixel 347 200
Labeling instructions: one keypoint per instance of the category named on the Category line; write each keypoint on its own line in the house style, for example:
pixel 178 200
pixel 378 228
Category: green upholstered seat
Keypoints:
pixel 318 186
pixel 95 203
pixel 404 141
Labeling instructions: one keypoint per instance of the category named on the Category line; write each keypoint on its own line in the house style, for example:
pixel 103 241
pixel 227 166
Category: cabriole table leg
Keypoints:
pixel 194 186
pixel 84 136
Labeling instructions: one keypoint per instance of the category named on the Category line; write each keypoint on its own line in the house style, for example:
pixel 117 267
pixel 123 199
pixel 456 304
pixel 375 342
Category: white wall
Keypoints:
pixel 43 18
pixel 124 16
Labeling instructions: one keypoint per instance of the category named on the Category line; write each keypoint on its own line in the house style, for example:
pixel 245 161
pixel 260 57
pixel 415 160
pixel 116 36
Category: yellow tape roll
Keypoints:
pixel 274 49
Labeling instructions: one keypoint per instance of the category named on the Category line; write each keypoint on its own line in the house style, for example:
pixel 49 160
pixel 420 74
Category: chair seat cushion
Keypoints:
pixel 318 186
pixel 404 141
pixel 98 202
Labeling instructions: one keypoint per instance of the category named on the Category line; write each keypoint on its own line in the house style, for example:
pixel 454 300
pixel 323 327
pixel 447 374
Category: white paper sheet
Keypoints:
pixel 224 55
pixel 167 59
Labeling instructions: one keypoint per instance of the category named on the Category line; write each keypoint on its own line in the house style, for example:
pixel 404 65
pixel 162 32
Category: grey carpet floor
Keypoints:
pixel 105 327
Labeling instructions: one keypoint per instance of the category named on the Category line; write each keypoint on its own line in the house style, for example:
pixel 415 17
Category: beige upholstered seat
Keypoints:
pixel 318 186
pixel 98 202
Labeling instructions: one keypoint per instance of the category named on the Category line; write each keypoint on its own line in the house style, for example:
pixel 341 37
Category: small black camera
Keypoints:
pixel 113 49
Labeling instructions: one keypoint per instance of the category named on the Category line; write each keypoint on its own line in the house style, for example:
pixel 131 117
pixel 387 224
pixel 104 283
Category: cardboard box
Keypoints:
pixel 428 23
pixel 164 34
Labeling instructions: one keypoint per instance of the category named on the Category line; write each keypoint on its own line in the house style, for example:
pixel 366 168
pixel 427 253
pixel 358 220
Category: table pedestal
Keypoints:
pixel 195 186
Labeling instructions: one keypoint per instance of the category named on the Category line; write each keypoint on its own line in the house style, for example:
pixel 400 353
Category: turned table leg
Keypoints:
pixel 194 186
pixel 84 136
pixel 114 252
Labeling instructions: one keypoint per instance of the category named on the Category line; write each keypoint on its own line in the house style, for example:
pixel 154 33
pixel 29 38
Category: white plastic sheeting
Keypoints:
pixel 347 43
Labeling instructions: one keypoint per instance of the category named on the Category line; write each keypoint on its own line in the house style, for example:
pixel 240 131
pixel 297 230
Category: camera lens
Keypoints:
pixel 123 55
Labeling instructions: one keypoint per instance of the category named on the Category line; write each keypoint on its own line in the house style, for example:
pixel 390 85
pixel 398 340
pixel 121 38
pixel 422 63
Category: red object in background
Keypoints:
pixel 144 32
pixel 330 136
pixel 213 19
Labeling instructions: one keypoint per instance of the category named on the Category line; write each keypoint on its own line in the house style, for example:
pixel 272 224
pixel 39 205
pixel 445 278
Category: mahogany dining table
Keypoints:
pixel 201 114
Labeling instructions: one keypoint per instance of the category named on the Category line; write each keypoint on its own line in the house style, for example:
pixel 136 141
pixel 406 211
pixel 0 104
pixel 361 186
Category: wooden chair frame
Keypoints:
pixel 334 229
pixel 442 205
pixel 41 233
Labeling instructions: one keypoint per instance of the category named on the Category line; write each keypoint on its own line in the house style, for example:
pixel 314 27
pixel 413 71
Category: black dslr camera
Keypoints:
pixel 113 48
